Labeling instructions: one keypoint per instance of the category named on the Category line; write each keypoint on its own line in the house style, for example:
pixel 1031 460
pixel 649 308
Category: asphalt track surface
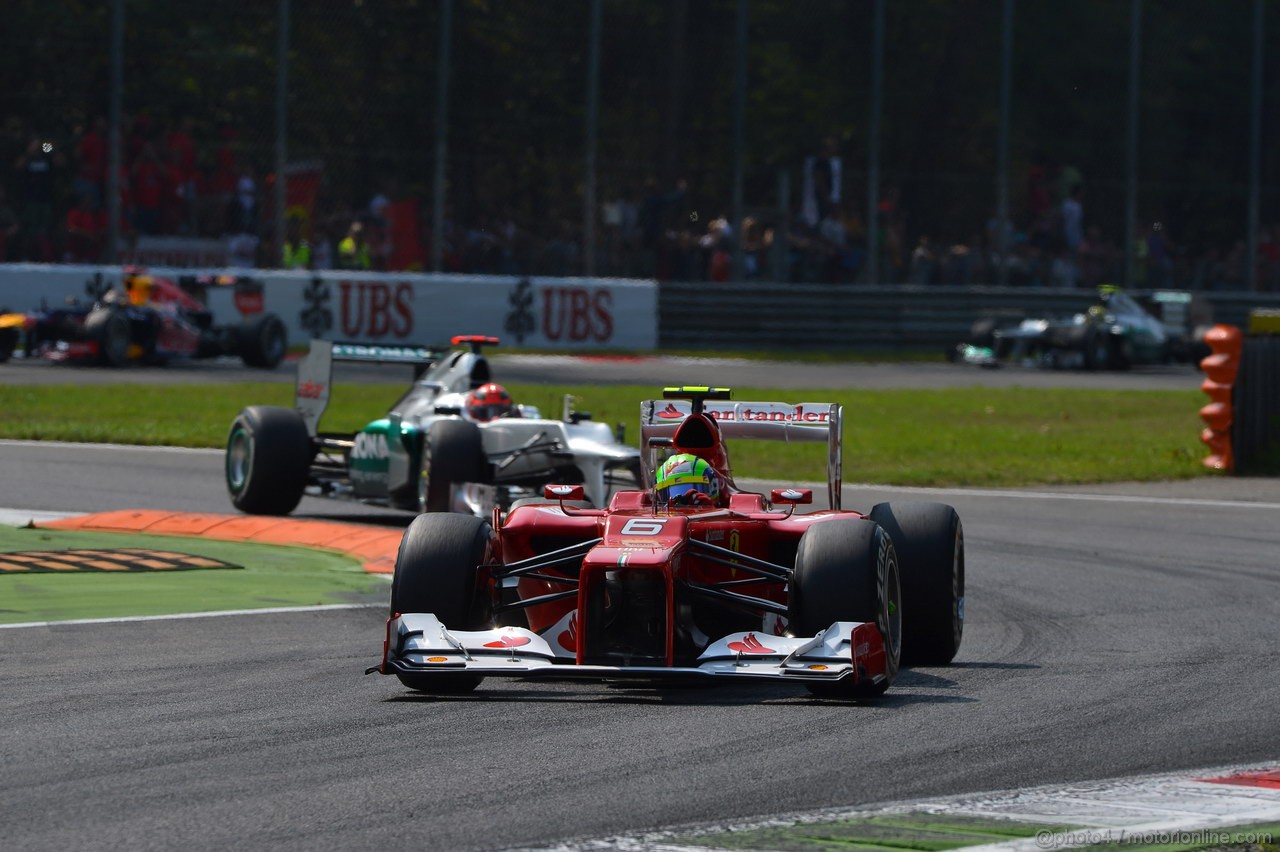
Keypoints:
pixel 1127 630
pixel 656 371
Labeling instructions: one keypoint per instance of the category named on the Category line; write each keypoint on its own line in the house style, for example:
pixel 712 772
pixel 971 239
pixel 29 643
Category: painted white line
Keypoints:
pixel 275 610
pixel 79 445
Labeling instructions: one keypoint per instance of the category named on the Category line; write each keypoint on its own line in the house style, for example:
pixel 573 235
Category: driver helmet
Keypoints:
pixel 686 479
pixel 489 401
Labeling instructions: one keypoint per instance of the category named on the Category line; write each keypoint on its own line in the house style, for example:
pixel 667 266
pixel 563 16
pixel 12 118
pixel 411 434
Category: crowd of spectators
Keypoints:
pixel 53 201
pixel 174 181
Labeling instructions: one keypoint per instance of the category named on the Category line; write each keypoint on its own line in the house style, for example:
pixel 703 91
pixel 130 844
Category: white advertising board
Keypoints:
pixel 400 308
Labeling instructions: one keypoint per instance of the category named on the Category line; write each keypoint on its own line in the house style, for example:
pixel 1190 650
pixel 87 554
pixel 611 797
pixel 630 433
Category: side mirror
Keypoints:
pixel 791 496
pixel 564 492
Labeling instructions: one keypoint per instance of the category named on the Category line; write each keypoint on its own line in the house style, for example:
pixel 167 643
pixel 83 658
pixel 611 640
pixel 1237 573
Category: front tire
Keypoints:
pixel 8 343
pixel 847 570
pixel 109 328
pixel 263 342
pixel 1097 349
pixel 268 460
pixel 452 452
pixel 437 572
pixel 930 543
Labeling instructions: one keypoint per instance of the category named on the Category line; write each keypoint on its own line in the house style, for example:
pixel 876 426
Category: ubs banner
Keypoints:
pixel 548 313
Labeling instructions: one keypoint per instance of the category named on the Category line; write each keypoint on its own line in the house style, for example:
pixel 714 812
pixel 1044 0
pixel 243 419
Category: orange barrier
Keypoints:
pixel 1220 371
pixel 375 547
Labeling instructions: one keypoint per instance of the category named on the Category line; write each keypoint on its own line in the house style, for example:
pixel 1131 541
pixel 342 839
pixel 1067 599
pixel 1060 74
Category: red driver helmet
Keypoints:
pixel 489 401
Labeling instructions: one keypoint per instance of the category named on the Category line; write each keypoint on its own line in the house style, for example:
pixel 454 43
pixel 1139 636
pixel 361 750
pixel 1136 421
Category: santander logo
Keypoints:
pixel 750 645
pixel 671 413
pixel 508 642
pixel 568 639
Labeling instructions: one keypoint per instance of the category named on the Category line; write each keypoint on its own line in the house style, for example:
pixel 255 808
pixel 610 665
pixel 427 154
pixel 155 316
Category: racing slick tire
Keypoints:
pixel 268 460
pixel 8 343
pixel 263 342
pixel 929 540
pixel 436 572
pixel 109 328
pixel 847 570
pixel 1121 352
pixel 1097 349
pixel 452 452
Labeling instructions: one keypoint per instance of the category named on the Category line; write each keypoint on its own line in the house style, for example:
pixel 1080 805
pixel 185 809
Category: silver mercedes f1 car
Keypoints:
pixel 427 453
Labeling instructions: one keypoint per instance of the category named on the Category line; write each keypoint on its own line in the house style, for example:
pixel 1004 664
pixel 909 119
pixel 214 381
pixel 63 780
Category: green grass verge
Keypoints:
pixel 803 356
pixel 272 576
pixel 925 832
pixel 913 831
pixel 952 437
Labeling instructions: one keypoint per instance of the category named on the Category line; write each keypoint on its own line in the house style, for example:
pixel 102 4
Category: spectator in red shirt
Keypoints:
pixel 180 148
pixel 9 226
pixel 149 182
pixel 86 230
pixel 91 162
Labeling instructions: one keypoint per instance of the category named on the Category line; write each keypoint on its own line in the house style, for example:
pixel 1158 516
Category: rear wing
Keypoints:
pixel 760 421
pixel 315 370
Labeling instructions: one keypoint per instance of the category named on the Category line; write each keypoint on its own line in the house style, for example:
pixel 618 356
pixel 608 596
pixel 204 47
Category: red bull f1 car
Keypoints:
pixel 735 585
pixel 154 320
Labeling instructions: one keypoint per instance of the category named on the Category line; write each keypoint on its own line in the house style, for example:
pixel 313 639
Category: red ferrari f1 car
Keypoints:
pixel 690 578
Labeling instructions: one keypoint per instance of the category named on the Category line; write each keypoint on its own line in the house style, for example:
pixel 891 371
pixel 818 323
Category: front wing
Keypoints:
pixel 417 643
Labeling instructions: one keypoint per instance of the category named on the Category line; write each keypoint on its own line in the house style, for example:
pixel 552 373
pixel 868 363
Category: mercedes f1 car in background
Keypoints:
pixel 427 453
pixel 1117 332
pixel 732 585
pixel 153 321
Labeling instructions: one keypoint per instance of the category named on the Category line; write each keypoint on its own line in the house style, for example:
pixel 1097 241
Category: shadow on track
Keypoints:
pixel 699 695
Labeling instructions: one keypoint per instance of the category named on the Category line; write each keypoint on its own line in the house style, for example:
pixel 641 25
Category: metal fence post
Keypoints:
pixel 739 137
pixel 1255 150
pixel 114 153
pixel 282 116
pixel 1131 193
pixel 442 135
pixel 1002 179
pixel 873 147
pixel 593 121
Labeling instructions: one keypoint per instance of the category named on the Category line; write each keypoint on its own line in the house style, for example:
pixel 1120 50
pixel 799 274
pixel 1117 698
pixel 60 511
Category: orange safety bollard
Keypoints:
pixel 1220 369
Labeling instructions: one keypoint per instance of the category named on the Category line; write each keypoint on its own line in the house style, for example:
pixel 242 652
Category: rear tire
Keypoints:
pixel 846 570
pixel 929 539
pixel 1097 349
pixel 263 342
pixel 268 460
pixel 1121 357
pixel 8 343
pixel 452 452
pixel 436 572
pixel 109 328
